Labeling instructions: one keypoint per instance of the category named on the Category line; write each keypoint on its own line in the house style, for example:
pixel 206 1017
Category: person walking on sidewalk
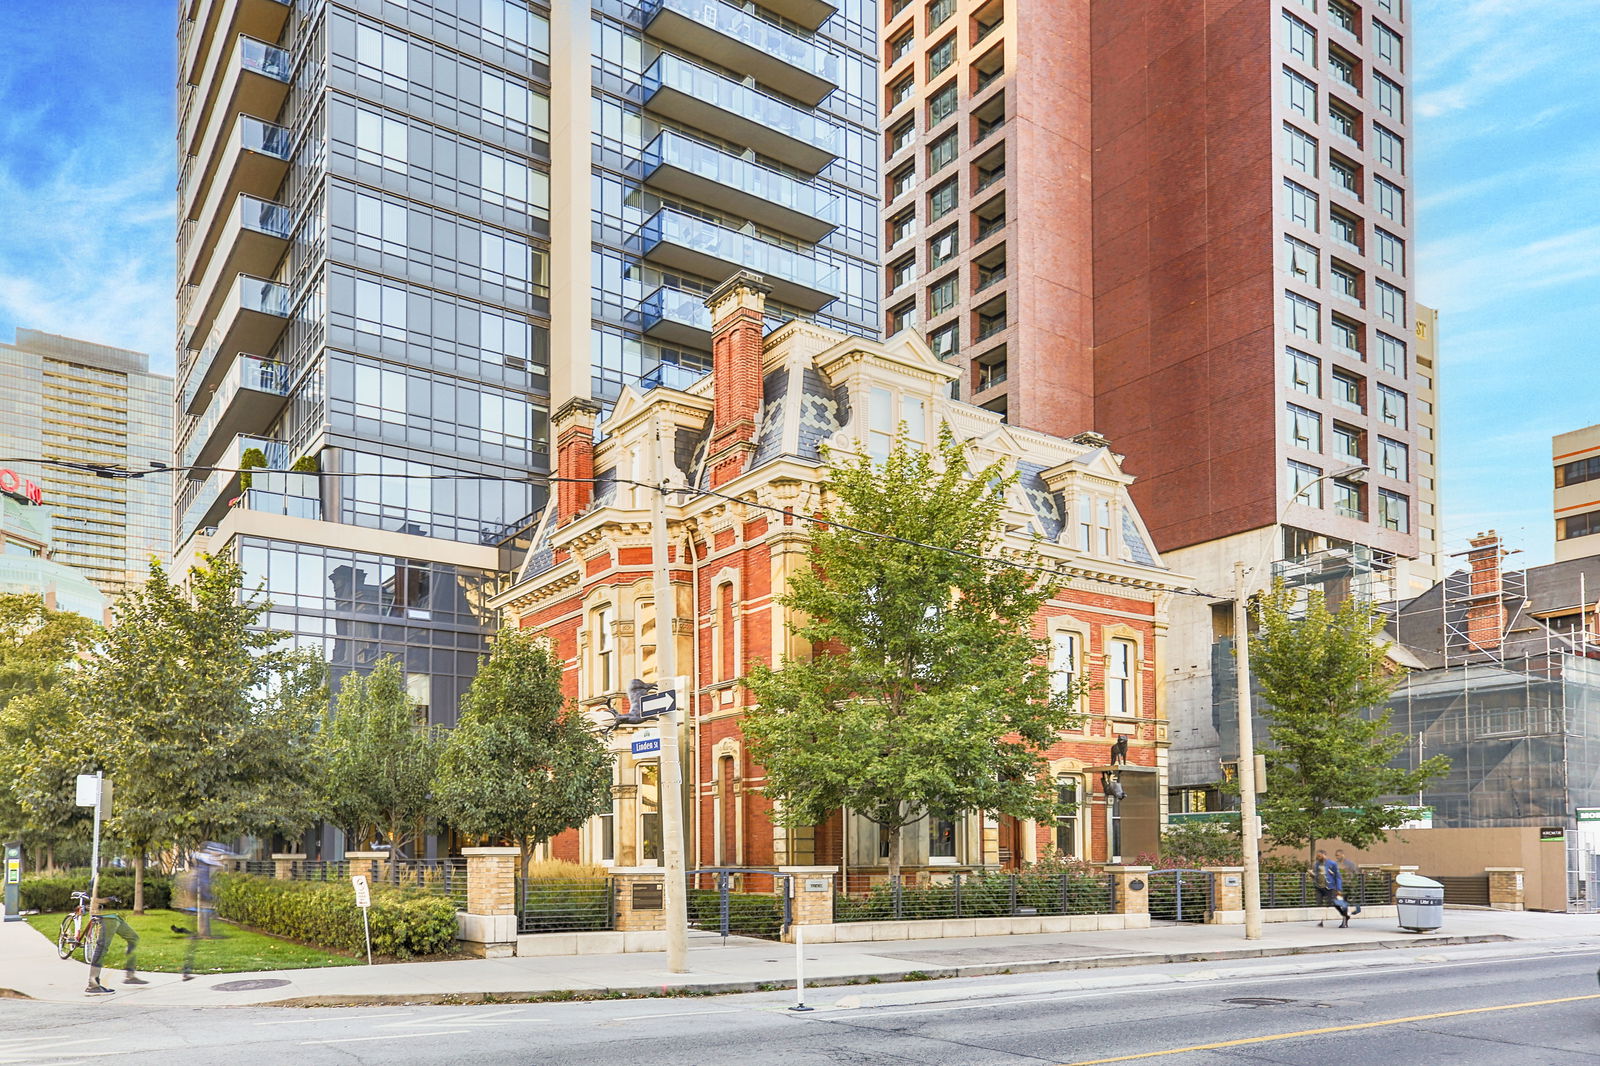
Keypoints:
pixel 112 925
pixel 1330 887
pixel 204 864
pixel 1348 875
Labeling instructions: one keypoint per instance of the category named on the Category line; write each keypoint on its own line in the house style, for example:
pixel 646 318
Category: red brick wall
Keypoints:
pixel 1184 296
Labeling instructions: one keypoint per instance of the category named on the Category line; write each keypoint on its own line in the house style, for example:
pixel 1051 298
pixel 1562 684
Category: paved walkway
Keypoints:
pixel 29 966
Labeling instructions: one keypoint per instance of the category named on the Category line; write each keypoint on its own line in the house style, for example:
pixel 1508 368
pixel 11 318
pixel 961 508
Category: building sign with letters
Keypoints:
pixel 15 485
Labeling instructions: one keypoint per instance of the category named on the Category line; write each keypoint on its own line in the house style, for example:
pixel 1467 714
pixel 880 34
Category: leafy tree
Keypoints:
pixel 379 758
pixel 521 764
pixel 926 692
pixel 1326 678
pixel 202 720
pixel 39 650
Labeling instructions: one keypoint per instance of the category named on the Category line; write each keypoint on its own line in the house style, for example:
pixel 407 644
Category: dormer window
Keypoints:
pixel 1094 525
pixel 891 413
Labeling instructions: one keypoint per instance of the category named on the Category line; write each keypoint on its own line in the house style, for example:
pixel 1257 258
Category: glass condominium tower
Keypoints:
pixel 386 210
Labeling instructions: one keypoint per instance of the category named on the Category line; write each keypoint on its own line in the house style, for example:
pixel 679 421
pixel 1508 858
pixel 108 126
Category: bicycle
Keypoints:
pixel 79 928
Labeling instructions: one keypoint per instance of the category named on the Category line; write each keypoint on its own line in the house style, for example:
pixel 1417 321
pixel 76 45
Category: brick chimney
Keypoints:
pixel 573 426
pixel 738 310
pixel 1486 609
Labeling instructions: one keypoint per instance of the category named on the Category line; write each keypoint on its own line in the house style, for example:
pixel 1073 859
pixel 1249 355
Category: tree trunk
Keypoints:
pixel 138 884
pixel 50 858
pixel 528 844
pixel 394 851
pixel 896 835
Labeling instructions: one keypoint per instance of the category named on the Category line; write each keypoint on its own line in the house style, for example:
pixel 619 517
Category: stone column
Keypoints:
pixel 283 863
pixel 370 863
pixel 641 903
pixel 1133 888
pixel 1227 895
pixel 813 895
pixel 1394 870
pixel 488 927
pixel 1505 887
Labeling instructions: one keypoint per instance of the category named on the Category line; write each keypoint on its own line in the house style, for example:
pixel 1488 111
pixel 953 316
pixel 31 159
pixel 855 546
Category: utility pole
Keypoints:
pixel 1248 824
pixel 677 906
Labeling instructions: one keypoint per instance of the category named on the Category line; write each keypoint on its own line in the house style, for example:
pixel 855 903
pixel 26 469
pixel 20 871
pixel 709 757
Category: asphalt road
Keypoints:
pixel 1505 1004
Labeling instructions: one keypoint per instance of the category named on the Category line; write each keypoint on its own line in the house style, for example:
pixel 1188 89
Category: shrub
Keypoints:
pixel 250 460
pixel 48 894
pixel 404 922
pixel 306 464
pixel 565 904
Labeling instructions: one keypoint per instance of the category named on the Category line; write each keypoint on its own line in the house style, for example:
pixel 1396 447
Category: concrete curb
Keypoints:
pixel 723 988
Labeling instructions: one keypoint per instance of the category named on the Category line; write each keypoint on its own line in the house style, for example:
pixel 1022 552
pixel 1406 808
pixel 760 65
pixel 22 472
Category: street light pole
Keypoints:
pixel 1249 823
pixel 1249 826
pixel 671 776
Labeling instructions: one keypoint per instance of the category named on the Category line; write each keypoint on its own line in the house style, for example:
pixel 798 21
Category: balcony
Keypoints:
pixel 669 376
pixel 733 38
pixel 677 317
pixel 252 80
pixel 688 168
pixel 219 19
pixel 252 317
pixel 682 242
pixel 249 398
pixel 251 241
pixel 697 97
pixel 253 159
pixel 807 13
pixel 205 500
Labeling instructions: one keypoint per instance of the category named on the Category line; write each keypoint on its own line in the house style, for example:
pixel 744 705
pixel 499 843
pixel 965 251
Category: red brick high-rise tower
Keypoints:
pixel 1184 225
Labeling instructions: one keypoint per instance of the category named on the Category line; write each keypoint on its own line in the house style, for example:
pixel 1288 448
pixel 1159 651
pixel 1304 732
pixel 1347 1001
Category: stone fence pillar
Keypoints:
pixel 1227 895
pixel 1132 887
pixel 488 927
pixel 1394 870
pixel 641 898
pixel 370 863
pixel 283 863
pixel 1505 888
pixel 813 895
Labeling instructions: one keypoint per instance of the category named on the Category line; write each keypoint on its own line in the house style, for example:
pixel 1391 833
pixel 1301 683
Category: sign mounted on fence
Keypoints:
pixel 646 747
pixel 1589 814
pixel 1552 833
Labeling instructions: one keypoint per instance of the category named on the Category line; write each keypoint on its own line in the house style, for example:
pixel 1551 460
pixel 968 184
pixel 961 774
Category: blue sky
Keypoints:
pixel 1506 148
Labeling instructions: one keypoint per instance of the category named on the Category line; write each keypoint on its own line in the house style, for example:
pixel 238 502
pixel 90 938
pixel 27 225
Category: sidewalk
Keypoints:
pixel 29 966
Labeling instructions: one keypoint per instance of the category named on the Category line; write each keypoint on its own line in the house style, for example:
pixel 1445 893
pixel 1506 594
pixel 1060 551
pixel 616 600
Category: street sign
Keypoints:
pixel 646 747
pixel 658 703
pixel 364 901
pixel 1589 814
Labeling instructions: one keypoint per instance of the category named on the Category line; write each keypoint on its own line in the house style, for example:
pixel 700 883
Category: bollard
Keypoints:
pixel 800 970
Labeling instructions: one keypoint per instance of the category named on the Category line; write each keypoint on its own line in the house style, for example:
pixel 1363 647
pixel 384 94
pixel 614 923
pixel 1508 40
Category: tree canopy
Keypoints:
pixel 521 764
pixel 1326 677
pixel 926 692
pixel 378 757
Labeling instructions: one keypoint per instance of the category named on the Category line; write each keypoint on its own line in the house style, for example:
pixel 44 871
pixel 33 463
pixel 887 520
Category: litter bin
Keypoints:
pixel 1420 901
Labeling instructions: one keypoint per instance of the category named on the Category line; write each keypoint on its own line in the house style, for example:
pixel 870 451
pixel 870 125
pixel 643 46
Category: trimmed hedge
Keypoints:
pixel 749 913
pixel 404 922
pixel 49 894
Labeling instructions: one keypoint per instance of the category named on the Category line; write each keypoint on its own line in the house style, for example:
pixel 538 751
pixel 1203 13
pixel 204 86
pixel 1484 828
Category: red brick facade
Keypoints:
pixel 588 587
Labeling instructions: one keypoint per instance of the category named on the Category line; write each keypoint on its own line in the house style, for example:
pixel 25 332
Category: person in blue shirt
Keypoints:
pixel 1330 887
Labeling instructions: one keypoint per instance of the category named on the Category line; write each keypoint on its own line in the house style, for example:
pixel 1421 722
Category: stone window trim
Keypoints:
pixel 1137 705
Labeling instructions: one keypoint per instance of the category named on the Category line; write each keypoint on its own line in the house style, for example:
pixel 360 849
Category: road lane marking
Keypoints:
pixel 385 1036
pixel 355 1017
pixel 1245 1041
pixel 673 1014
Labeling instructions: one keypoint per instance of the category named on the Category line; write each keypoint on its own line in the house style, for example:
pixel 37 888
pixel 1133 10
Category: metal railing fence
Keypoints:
pixel 872 897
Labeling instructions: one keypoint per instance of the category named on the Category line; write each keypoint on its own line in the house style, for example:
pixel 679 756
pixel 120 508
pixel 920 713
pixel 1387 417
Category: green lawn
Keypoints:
pixel 239 951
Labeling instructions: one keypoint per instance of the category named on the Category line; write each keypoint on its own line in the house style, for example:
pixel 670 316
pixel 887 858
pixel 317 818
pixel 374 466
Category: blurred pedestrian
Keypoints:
pixel 112 925
pixel 204 864
pixel 1330 886
pixel 1350 875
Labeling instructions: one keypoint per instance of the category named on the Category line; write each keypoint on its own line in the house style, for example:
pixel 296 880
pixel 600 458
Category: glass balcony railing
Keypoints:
pixel 208 495
pixel 670 376
pixel 752 117
pixel 701 160
pixel 250 134
pixel 685 309
pixel 249 57
pixel 797 278
pixel 264 216
pixel 250 373
pixel 248 296
pixel 740 40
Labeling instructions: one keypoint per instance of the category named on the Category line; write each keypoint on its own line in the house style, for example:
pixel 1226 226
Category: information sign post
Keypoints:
pixel 364 901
